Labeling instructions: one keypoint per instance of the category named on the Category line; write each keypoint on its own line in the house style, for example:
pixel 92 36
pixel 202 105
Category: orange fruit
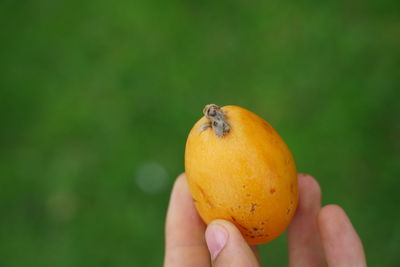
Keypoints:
pixel 239 169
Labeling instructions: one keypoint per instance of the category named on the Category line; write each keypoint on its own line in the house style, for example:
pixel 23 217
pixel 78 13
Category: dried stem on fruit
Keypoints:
pixel 216 120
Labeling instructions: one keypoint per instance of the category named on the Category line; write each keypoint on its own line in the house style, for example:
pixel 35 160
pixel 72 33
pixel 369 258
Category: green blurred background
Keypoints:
pixel 97 98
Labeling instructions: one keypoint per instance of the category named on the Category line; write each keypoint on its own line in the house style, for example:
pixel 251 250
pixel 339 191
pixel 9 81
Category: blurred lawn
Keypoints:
pixel 95 96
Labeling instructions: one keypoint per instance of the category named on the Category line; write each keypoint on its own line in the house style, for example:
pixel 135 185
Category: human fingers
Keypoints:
pixel 340 241
pixel 227 246
pixel 185 244
pixel 304 243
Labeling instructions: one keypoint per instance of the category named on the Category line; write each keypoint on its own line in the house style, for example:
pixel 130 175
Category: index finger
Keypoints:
pixel 185 242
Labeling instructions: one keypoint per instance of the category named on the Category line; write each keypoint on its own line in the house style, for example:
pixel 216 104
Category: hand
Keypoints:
pixel 316 236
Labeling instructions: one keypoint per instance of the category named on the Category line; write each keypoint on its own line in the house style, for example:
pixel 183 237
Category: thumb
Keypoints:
pixel 227 246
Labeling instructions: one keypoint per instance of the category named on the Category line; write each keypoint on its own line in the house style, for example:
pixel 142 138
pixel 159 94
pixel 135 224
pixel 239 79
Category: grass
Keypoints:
pixel 91 92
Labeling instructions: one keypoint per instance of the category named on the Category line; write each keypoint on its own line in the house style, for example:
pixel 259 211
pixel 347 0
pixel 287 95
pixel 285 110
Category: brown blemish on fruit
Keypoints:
pixel 287 210
pixel 201 190
pixel 267 126
pixel 233 218
pixel 241 226
pixel 255 228
pixel 272 190
pixel 205 197
pixel 253 207
pixel 252 236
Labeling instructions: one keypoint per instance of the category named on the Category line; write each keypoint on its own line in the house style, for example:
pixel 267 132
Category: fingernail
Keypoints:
pixel 216 237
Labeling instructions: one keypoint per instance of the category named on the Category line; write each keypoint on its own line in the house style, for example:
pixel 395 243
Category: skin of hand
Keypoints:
pixel 317 236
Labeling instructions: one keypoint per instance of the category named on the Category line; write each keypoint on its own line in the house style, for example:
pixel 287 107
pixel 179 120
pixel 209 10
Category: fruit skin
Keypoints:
pixel 247 177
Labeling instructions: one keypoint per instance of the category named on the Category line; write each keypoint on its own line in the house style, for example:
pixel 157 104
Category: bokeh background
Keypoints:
pixel 97 98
